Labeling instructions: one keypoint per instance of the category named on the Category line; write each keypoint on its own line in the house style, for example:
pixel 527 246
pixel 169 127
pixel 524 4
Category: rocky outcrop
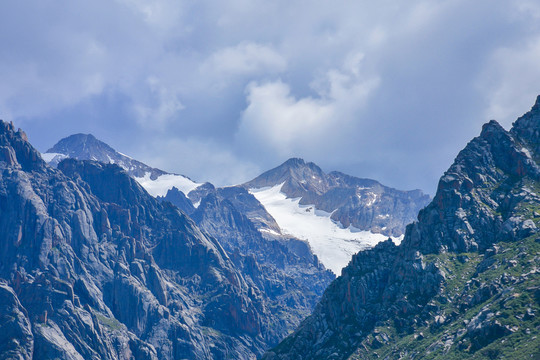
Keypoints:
pixel 479 197
pixel 363 203
pixel 179 199
pixel 249 206
pixel 451 289
pixel 197 194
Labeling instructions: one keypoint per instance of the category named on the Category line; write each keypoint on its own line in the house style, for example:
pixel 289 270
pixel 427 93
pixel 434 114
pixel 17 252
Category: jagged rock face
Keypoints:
pixel 220 218
pixel 179 199
pixel 527 128
pixel 93 267
pixel 478 198
pixel 249 206
pixel 451 289
pixel 363 203
pixel 197 194
pixel 283 268
pixel 368 205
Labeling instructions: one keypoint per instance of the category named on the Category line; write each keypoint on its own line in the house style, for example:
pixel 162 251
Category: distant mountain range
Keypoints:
pixel 337 214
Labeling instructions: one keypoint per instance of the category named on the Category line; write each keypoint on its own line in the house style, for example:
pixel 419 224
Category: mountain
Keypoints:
pixel 283 268
pixel 94 267
pixel 363 203
pixel 86 147
pixel 336 213
pixel 463 284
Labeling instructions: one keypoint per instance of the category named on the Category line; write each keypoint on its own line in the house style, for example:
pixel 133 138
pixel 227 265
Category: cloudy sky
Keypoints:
pixel 221 90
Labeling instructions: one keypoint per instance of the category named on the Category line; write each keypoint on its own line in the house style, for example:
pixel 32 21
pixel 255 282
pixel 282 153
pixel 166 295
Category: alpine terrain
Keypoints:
pixel 463 284
pixel 94 267
pixel 336 214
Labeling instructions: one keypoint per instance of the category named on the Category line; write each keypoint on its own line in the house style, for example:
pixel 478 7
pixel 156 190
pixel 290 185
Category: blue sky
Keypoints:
pixel 221 91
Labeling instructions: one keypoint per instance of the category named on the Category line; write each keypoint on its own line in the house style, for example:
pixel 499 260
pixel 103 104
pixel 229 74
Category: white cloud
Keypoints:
pixel 529 7
pixel 200 159
pixel 244 59
pixel 160 14
pixel 281 121
pixel 511 80
pixel 50 65
pixel 164 106
pixel 277 120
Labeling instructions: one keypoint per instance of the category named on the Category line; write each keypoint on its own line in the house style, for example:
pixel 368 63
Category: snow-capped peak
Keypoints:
pixel 86 147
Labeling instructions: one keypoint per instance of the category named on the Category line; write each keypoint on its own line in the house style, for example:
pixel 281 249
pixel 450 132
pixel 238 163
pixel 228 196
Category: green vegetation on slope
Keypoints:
pixel 489 309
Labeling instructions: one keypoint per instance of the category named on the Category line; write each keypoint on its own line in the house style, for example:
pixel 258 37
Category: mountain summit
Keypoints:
pixel 86 147
pixel 297 176
pixel 364 204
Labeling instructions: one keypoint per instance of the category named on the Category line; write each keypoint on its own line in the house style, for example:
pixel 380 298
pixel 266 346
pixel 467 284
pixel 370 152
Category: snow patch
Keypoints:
pixel 269 231
pixel 526 152
pixel 398 240
pixel 48 157
pixel 164 183
pixel 333 244
pixel 129 157
pixel 373 198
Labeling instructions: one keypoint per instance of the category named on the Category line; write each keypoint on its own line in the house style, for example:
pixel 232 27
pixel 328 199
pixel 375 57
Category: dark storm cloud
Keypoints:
pixel 220 91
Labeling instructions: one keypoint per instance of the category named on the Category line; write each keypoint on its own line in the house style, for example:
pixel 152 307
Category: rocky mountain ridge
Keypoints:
pixel 363 203
pixel 87 147
pixel 352 204
pixel 465 281
pixel 94 267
